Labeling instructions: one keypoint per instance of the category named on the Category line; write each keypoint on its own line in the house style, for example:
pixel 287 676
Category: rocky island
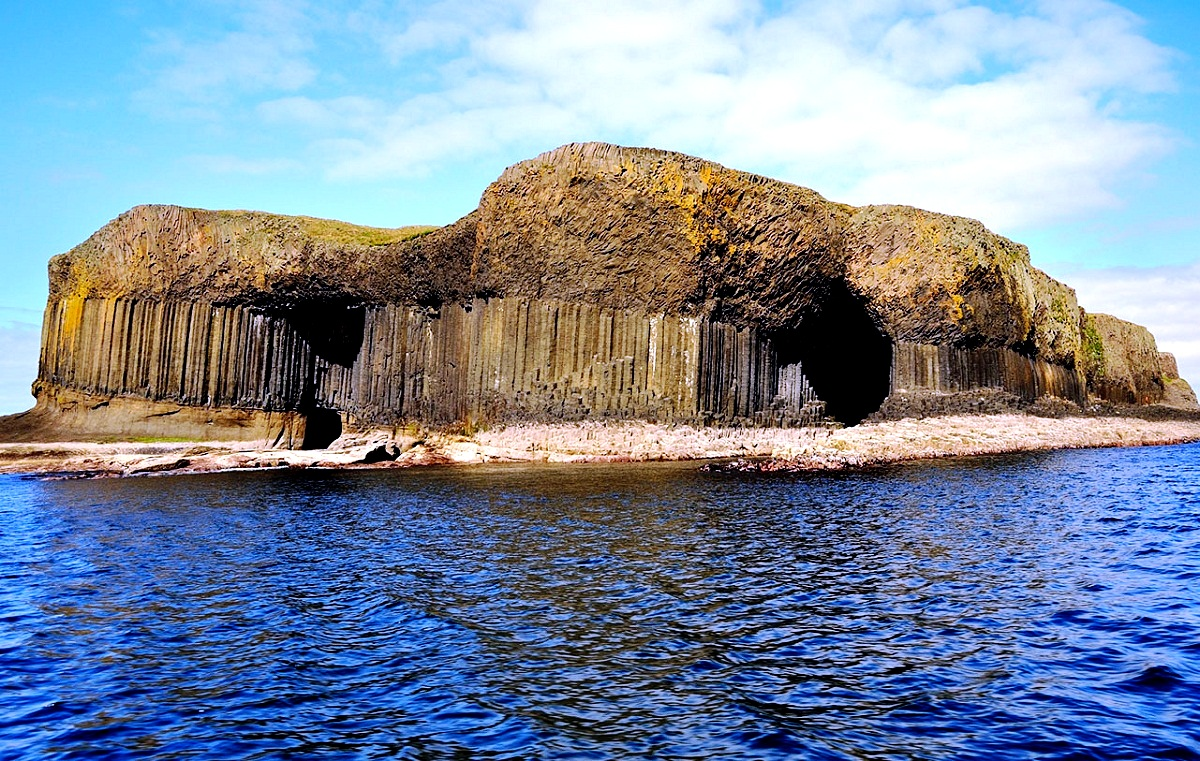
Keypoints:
pixel 598 293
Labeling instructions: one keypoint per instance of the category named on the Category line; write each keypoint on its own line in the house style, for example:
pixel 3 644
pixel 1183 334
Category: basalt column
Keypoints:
pixel 948 370
pixel 543 360
pixel 485 362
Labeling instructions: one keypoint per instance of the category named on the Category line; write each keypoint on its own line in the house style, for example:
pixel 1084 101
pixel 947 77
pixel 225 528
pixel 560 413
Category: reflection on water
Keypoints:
pixel 1036 606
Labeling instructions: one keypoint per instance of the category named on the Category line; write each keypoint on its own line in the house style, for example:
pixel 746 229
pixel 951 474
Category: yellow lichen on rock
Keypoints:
pixel 72 317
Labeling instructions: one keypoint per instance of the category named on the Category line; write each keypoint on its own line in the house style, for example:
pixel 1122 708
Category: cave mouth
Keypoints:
pixel 845 357
pixel 321 428
pixel 333 329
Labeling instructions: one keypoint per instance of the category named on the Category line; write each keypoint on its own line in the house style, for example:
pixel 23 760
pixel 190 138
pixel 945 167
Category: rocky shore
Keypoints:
pixel 735 449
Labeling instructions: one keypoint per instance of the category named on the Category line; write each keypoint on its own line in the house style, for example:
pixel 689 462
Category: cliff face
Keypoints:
pixel 937 279
pixel 592 281
pixel 658 231
pixel 1121 361
pixel 673 233
pixel 167 253
pixel 1177 393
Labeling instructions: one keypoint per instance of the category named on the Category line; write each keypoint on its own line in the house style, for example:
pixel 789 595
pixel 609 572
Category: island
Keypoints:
pixel 655 304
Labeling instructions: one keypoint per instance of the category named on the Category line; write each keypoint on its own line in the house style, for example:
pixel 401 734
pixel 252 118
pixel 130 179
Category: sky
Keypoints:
pixel 1072 126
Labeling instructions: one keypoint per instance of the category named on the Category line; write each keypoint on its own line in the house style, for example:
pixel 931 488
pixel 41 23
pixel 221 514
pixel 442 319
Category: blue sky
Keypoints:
pixel 1069 125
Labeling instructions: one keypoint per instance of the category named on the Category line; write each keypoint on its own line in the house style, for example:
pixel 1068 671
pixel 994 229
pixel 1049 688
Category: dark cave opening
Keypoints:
pixel 334 330
pixel 844 356
pixel 321 428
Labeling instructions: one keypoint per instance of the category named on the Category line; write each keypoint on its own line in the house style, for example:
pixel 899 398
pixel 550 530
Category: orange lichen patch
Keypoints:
pixel 72 317
pixel 928 232
pixel 672 183
pixel 708 211
pixel 955 307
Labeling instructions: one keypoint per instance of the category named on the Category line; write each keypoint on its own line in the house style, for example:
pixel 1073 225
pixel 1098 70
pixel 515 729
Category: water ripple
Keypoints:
pixel 1032 606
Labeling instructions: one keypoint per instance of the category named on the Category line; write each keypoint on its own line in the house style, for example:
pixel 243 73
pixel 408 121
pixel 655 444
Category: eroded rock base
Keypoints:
pixel 62 415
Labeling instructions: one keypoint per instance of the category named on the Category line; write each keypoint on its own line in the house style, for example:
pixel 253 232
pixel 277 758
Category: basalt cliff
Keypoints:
pixel 592 282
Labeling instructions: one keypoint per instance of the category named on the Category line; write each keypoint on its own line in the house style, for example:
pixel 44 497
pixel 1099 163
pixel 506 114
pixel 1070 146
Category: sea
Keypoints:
pixel 1027 606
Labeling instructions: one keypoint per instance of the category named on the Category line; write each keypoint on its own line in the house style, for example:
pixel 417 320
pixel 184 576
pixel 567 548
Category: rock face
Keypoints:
pixel 1177 393
pixel 592 282
pixel 1121 361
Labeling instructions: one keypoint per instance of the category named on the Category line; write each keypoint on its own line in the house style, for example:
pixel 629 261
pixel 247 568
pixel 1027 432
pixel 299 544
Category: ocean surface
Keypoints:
pixel 1031 606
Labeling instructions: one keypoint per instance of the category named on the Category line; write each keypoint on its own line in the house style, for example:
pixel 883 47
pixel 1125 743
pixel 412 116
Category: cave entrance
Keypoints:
pixel 844 356
pixel 321 428
pixel 333 329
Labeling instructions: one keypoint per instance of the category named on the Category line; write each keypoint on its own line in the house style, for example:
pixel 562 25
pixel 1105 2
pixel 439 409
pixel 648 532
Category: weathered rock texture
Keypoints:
pixel 592 282
pixel 1121 361
pixel 1177 392
pixel 504 359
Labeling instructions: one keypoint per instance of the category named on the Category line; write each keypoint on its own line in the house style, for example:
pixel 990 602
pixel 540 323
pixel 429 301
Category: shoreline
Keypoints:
pixel 737 449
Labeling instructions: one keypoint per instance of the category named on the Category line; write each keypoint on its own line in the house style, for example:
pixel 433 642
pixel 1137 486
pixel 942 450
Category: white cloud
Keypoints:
pixel 225 164
pixel 266 49
pixel 404 30
pixel 1015 117
pixel 1164 299
pixel 948 105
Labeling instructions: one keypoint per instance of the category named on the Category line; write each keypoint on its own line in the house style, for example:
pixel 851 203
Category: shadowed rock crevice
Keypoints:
pixel 334 331
pixel 321 428
pixel 845 357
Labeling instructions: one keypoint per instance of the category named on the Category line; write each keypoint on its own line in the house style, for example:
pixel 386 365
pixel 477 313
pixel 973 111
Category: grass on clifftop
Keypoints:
pixel 327 230
pixel 343 232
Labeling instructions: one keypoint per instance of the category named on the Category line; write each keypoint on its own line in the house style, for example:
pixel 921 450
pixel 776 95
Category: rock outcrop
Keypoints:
pixel 1177 393
pixel 592 282
pixel 1122 364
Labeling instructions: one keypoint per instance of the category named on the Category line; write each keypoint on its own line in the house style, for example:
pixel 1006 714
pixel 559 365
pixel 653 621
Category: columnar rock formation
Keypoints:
pixel 592 282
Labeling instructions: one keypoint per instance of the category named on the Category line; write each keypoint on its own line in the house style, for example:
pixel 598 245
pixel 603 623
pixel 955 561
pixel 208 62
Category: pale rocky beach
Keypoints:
pixel 763 449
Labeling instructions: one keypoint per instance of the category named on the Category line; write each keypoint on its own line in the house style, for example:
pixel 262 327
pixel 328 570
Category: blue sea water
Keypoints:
pixel 1031 606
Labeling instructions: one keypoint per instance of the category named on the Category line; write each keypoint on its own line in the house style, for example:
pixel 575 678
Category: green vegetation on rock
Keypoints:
pixel 334 231
pixel 1093 349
